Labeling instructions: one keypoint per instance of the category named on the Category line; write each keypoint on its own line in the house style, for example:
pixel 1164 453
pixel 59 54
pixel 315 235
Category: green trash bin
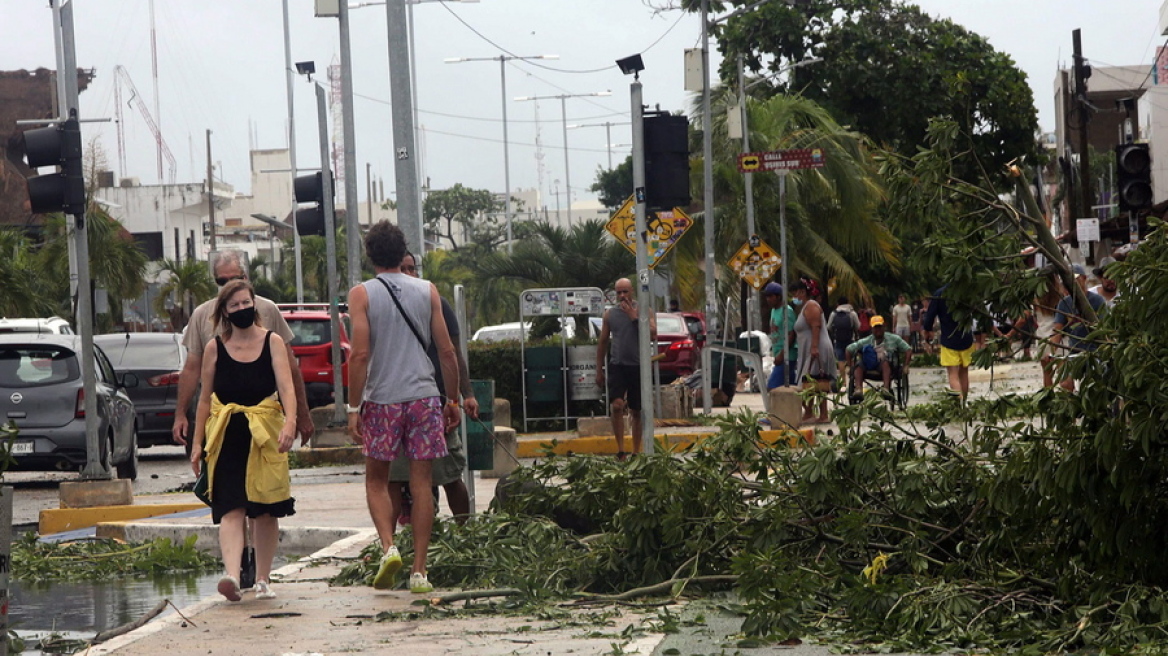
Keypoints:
pixel 544 374
pixel 480 434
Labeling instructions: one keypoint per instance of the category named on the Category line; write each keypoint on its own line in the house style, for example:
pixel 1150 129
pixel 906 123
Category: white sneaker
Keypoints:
pixel 263 590
pixel 391 562
pixel 228 586
pixel 419 584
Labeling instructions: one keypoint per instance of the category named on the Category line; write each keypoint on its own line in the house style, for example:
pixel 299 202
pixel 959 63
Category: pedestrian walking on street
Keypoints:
pixel 447 470
pixel 620 329
pixel 817 365
pixel 401 411
pixel 783 349
pixel 243 435
pixel 956 343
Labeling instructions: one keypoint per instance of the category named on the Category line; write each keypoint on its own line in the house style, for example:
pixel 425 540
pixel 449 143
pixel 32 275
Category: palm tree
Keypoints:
pixel 831 212
pixel 21 281
pixel 190 282
pixel 583 256
pixel 116 262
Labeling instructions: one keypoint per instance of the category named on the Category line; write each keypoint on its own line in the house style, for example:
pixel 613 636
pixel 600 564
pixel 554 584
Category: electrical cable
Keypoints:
pixel 491 120
pixel 446 6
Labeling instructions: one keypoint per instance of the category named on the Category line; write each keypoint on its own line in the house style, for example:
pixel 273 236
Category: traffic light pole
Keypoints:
pixel 708 208
pixel 644 301
pixel 330 240
pixel 67 80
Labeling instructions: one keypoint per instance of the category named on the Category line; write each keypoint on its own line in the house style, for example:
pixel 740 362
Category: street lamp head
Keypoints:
pixel 455 60
pixel 631 65
pixel 306 68
pixel 604 93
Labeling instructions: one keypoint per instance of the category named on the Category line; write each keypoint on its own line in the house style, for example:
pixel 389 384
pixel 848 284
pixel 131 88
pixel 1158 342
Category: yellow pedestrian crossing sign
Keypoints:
pixel 755 262
pixel 665 229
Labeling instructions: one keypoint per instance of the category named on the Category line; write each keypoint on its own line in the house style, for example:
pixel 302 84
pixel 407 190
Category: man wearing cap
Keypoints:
pixel 1106 287
pixel 1069 323
pixel 880 351
pixel 783 348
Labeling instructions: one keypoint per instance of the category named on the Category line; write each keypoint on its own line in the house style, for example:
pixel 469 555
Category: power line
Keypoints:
pixel 492 120
pixel 446 6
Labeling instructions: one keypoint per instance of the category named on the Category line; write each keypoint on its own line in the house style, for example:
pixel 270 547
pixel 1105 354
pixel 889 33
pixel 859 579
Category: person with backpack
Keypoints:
pixel 842 325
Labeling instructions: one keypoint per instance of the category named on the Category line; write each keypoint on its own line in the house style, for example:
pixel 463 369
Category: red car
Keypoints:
pixel 675 342
pixel 312 344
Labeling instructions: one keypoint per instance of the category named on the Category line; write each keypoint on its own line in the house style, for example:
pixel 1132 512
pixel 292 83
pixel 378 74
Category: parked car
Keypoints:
pixel 51 325
pixel 681 352
pixel 155 359
pixel 42 393
pixel 510 331
pixel 312 343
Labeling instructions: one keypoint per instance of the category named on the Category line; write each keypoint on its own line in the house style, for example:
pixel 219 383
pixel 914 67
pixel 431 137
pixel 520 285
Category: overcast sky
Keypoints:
pixel 221 68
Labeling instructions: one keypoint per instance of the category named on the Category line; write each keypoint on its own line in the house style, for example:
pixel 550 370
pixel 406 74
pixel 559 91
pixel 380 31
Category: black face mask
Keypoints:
pixel 242 318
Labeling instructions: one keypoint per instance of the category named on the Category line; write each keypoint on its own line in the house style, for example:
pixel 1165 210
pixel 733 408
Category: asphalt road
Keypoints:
pixel 160 469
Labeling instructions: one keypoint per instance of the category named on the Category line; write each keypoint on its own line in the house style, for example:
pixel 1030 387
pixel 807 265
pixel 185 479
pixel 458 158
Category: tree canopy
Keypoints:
pixel 887 69
pixel 462 210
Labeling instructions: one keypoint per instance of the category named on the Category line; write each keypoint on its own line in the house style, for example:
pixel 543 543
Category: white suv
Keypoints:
pixel 51 325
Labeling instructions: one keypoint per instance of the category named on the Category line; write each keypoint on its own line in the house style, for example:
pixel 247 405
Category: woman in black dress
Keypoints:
pixel 244 435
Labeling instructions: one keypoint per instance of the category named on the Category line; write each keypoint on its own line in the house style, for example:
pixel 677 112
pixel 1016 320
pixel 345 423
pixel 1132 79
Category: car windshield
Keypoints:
pixel 125 354
pixel 670 325
pixel 32 366
pixel 309 332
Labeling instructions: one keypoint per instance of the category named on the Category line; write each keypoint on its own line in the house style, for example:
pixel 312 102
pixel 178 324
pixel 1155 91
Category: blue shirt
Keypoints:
pixel 953 336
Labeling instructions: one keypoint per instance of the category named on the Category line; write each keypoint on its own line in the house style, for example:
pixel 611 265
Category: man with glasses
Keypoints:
pixel 228 265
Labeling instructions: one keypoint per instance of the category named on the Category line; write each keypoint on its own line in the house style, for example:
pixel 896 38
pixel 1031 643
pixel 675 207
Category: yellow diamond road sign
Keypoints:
pixel 664 228
pixel 755 263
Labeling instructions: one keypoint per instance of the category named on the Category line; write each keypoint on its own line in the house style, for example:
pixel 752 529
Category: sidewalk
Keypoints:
pixel 332 522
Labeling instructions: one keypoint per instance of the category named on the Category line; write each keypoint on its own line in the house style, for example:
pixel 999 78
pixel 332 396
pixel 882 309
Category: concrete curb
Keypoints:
pixel 358 540
pixel 293 539
pixel 59 520
pixel 535 446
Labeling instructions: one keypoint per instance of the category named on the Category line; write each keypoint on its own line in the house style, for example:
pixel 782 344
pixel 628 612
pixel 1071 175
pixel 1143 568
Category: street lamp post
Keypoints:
pixel 607 125
pixel 563 98
pixel 288 74
pixel 503 59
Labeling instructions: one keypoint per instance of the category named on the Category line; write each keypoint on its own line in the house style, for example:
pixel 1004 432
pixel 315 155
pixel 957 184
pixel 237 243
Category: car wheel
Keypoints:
pixel 128 469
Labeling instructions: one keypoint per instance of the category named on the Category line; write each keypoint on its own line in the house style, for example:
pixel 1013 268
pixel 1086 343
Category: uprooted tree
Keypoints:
pixel 1026 522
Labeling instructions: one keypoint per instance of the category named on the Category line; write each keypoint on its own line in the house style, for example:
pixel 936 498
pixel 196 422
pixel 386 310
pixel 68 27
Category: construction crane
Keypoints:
pixel 122 76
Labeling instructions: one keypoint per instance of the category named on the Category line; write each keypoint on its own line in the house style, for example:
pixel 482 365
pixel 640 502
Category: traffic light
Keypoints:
pixel 310 189
pixel 666 162
pixel 1133 174
pixel 57 145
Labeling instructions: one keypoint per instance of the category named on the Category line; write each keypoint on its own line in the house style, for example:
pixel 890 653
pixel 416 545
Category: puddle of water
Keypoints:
pixel 83 609
pixel 93 606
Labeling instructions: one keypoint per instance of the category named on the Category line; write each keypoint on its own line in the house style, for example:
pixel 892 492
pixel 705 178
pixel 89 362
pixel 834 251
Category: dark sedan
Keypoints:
pixel 41 392
pixel 155 359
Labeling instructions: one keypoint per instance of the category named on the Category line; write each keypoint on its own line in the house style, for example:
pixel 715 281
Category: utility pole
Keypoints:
pixel 210 193
pixel 67 88
pixel 708 204
pixel 352 224
pixel 369 190
pixel 330 240
pixel 409 209
pixel 288 79
pixel 1082 72
pixel 644 299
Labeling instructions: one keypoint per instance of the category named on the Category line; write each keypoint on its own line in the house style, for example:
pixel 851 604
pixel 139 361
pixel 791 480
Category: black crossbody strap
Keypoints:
pixel 413 329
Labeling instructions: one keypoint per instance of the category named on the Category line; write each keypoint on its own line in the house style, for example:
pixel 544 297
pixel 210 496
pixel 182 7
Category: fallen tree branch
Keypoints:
pixel 467 595
pixel 130 626
pixel 664 587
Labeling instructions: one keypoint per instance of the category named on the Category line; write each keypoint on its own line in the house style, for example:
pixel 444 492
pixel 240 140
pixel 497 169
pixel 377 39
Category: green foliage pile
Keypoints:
pixel 96 560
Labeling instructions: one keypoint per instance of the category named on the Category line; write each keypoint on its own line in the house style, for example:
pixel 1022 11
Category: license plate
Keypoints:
pixel 21 448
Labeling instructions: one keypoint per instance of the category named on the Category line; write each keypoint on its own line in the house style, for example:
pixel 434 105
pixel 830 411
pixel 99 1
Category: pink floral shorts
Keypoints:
pixel 412 429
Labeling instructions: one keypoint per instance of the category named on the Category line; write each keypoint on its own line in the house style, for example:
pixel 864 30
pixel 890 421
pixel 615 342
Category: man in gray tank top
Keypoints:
pixel 401 411
pixel 621 327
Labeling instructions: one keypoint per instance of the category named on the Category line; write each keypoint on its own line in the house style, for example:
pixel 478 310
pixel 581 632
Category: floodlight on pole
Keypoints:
pixel 563 98
pixel 503 59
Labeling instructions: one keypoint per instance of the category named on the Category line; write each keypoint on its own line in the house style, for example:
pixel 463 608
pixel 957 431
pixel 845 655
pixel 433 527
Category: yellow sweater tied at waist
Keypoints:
pixel 267 479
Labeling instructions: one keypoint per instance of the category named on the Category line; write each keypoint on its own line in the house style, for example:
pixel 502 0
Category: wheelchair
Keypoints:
pixel 875 380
